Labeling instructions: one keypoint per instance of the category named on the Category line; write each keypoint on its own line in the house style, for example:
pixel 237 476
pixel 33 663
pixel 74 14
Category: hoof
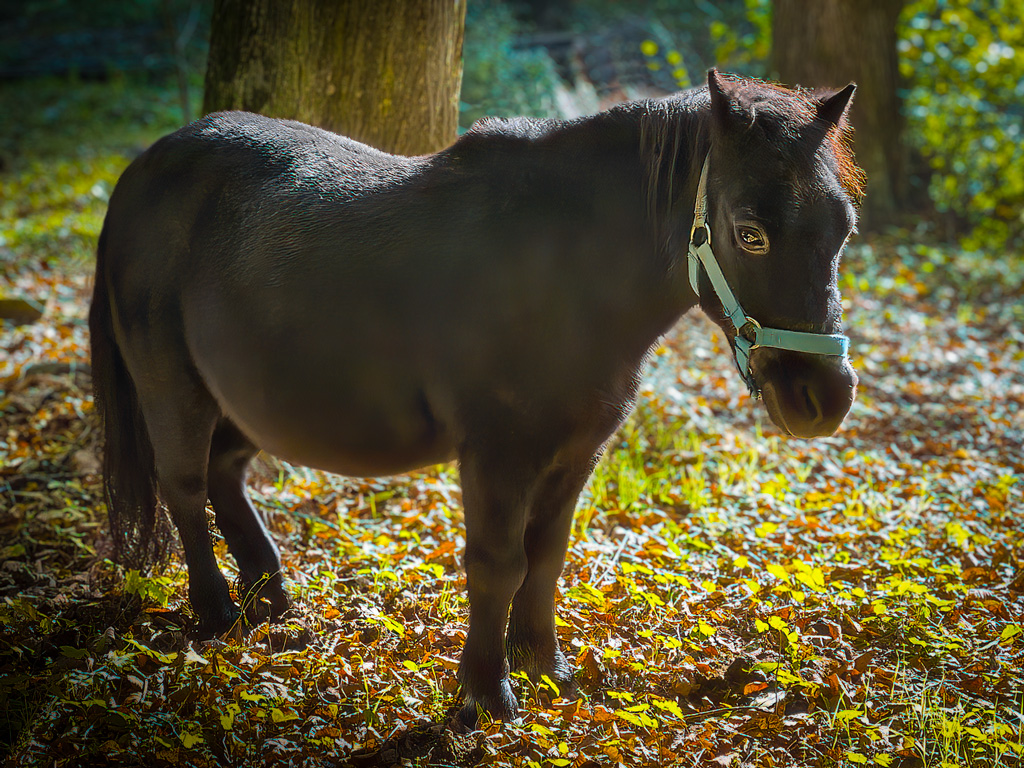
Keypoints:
pixel 262 607
pixel 553 664
pixel 213 626
pixel 264 600
pixel 500 706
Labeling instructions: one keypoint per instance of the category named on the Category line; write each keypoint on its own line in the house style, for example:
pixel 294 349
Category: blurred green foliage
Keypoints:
pixel 498 78
pixel 676 43
pixel 102 38
pixel 72 15
pixel 673 62
pixel 59 117
pixel 743 39
pixel 74 140
pixel 504 77
pixel 963 61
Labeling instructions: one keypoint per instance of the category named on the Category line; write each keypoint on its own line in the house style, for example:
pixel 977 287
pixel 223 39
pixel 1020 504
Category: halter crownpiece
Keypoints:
pixel 749 333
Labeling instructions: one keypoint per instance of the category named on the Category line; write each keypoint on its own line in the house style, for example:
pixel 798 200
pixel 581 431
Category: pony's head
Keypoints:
pixel 781 187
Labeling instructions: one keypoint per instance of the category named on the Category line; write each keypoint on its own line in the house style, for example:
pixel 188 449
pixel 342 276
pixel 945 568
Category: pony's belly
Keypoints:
pixel 373 422
pixel 344 460
pixel 365 442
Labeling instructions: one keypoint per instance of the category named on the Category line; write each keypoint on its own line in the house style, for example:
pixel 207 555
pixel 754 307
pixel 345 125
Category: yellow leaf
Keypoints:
pixel 814 578
pixel 281 716
pixel 390 623
pixel 1010 631
pixel 648 47
pixel 958 532
pixel 640 719
pixel 227 717
pixel 190 739
pixel 551 684
pixel 845 715
pixel 777 571
pixel 665 705
pixel 629 568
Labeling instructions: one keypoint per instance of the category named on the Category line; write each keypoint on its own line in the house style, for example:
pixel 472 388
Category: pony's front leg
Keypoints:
pixel 494 495
pixel 532 641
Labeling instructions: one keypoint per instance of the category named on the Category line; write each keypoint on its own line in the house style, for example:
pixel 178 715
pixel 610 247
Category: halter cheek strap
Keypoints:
pixel 749 333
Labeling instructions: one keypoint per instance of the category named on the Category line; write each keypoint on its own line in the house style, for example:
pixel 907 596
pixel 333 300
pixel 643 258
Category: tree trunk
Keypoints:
pixel 828 43
pixel 384 72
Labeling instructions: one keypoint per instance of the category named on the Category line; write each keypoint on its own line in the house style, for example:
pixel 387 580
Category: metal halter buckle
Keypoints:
pixel 755 333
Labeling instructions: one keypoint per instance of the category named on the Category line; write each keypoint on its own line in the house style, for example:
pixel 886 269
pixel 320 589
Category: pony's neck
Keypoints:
pixel 653 149
pixel 673 139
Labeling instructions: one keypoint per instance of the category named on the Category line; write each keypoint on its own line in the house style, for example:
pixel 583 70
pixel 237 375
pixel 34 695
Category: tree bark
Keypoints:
pixel 384 72
pixel 828 43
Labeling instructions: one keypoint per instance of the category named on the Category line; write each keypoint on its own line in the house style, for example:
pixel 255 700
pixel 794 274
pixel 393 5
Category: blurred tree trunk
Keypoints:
pixel 828 43
pixel 385 72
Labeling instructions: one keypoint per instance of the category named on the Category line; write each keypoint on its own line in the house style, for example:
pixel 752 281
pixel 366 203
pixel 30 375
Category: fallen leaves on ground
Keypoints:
pixel 730 597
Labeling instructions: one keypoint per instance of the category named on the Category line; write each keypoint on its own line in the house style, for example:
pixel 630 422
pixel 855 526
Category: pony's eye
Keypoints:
pixel 752 238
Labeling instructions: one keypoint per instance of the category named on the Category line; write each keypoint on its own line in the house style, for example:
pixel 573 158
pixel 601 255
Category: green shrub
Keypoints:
pixel 497 78
pixel 963 61
pixel 743 37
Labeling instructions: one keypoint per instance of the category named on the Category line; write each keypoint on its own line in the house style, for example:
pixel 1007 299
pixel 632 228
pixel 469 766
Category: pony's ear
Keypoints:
pixel 726 108
pixel 833 108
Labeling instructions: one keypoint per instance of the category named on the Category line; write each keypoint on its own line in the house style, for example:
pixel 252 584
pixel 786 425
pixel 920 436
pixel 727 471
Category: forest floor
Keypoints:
pixel 731 597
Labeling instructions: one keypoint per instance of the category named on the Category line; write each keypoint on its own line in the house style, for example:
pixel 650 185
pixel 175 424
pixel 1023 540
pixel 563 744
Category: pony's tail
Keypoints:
pixel 140 530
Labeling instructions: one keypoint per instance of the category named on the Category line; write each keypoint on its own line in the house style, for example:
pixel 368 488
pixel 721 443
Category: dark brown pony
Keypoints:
pixel 262 284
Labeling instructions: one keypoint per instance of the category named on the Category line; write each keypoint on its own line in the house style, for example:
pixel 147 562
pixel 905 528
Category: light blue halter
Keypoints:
pixel 749 333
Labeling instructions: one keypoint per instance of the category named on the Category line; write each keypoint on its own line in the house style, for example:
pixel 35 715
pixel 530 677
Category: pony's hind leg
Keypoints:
pixel 180 416
pixel 259 563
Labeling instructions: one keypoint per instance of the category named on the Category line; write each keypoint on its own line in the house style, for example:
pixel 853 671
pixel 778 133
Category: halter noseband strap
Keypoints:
pixel 749 333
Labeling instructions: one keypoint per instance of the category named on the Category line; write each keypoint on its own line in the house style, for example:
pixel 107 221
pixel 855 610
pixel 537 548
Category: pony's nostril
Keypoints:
pixel 811 401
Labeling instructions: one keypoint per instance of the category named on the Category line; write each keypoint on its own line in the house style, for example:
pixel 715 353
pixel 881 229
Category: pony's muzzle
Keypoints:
pixel 806 395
